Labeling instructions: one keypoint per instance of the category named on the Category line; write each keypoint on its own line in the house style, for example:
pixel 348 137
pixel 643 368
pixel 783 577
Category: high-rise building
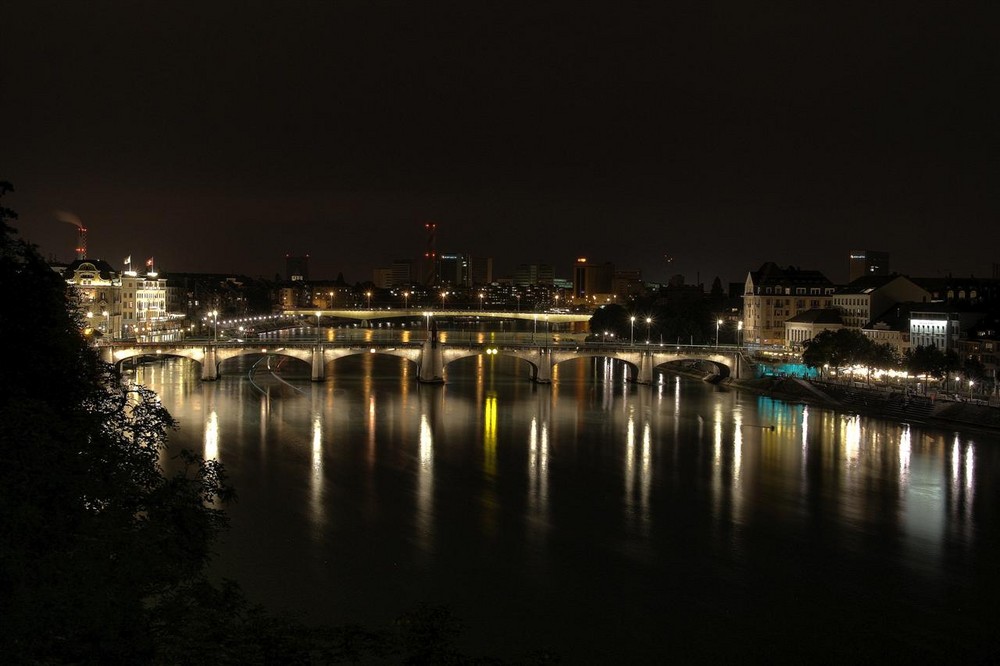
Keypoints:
pixel 868 262
pixel 481 270
pixel 402 272
pixel 591 281
pixel 453 270
pixel 382 278
pixel 532 274
pixel 296 268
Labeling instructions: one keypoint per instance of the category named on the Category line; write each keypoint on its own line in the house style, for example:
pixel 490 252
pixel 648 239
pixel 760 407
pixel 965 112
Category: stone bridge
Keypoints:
pixel 432 357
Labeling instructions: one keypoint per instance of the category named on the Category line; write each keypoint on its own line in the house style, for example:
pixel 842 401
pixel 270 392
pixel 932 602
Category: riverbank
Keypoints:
pixel 894 405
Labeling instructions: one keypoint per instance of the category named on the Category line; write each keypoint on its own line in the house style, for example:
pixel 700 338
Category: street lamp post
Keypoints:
pixel 444 294
pixel 406 300
pixel 481 297
pixel 518 296
pixel 739 335
pixel 215 325
pixel 631 330
pixel 369 295
pixel 107 324
pixel 649 321
pixel 970 389
pixel 718 323
pixel 318 333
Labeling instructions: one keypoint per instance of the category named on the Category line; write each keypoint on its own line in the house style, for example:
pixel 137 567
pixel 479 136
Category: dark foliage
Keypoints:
pixel 91 529
pixel 102 553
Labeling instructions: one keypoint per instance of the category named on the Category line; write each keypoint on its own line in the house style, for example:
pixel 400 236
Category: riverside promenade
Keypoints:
pixel 937 410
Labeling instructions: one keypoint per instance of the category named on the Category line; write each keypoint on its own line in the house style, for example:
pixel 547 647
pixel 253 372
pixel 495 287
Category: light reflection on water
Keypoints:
pixel 367 493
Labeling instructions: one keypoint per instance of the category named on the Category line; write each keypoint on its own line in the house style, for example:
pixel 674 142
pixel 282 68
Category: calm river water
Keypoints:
pixel 602 521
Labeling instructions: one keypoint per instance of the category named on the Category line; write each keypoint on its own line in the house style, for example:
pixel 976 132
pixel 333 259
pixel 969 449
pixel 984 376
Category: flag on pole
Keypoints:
pixel 149 262
pixel 128 260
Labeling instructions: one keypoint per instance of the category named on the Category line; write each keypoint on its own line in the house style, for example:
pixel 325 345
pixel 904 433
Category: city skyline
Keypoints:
pixel 701 141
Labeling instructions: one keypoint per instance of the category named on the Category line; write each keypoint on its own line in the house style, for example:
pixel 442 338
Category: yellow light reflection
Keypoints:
pixel 852 440
pixel 905 451
pixel 425 485
pixel 538 468
pixel 212 436
pixel 629 461
pixel 490 434
pixel 371 430
pixel 316 469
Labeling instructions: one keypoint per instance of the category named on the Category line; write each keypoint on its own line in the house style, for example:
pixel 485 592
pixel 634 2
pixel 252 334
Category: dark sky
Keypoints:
pixel 217 136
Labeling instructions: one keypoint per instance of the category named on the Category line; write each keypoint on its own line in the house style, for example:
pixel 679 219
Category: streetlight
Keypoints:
pixel 107 323
pixel 406 300
pixel 739 334
pixel 481 297
pixel 718 323
pixel 518 302
pixel 318 335
pixel 970 389
pixel 369 295
pixel 649 320
pixel 631 330
pixel 215 324
pixel 444 294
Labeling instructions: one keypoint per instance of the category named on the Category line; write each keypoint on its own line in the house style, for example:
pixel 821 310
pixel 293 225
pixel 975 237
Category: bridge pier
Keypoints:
pixel 108 355
pixel 431 362
pixel 645 368
pixel 543 366
pixel 209 367
pixel 318 366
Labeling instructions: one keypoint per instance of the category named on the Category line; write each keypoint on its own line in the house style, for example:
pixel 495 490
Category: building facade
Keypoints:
pixel 871 295
pixel 772 295
pixel 98 290
pixel 807 325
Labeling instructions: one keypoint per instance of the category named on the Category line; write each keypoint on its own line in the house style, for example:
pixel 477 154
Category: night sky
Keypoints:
pixel 219 136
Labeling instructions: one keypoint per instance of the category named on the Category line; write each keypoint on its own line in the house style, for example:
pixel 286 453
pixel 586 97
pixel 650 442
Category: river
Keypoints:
pixel 602 521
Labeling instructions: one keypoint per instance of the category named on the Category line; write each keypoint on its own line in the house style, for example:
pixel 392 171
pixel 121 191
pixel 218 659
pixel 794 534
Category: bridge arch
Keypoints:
pixel 453 355
pixel 710 367
pixel 632 368
pixel 119 356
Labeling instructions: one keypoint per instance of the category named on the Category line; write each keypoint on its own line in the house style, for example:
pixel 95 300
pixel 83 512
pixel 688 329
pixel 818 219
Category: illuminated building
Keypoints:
pixel 99 294
pixel 773 295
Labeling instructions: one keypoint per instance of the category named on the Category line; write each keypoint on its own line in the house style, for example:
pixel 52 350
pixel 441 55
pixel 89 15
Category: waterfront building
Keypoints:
pixel 98 290
pixel 810 323
pixel 940 325
pixel 871 295
pixel 966 291
pixel 772 295
pixel 144 303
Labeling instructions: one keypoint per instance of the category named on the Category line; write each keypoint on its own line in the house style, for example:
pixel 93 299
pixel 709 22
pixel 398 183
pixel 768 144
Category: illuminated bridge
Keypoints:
pixel 416 313
pixel 432 356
